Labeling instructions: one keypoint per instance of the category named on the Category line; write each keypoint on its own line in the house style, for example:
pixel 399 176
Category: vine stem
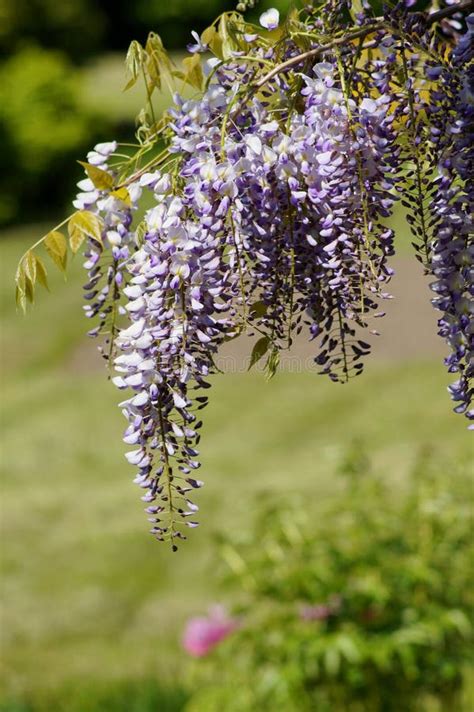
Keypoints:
pixel 38 242
pixel 416 154
pixel 466 5
pixel 171 521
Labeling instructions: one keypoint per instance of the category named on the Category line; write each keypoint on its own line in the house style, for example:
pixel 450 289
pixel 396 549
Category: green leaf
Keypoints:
pixel 273 361
pixel 81 225
pixel 158 62
pixel 134 62
pixel 29 290
pixel 29 265
pixel 227 35
pixel 348 648
pixel 193 71
pixel 140 233
pixel 30 269
pixel 332 661
pixel 260 349
pixel 56 247
pixel 20 279
pixel 123 195
pixel 101 179
pixel 153 71
pixel 41 273
pixel 20 299
pixel 213 40
pixel 258 308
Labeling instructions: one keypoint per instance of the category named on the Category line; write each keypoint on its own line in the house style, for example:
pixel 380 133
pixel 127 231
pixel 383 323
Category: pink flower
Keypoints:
pixel 322 611
pixel 202 634
pixel 315 613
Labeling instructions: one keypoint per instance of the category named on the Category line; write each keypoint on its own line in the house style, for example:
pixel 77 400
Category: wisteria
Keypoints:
pixel 260 205
pixel 452 261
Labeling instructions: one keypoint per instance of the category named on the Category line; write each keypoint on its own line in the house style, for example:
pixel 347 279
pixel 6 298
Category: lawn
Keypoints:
pixel 89 597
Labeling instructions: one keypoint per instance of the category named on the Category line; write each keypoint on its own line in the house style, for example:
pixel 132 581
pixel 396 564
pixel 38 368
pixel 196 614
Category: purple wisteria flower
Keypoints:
pixel 453 205
pixel 269 215
pixel 198 46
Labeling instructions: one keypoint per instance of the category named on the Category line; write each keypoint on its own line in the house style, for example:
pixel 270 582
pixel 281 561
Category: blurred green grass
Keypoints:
pixel 102 84
pixel 87 593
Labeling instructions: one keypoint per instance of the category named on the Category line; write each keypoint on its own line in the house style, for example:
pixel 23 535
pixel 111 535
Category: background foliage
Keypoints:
pixel 346 603
pixel 61 68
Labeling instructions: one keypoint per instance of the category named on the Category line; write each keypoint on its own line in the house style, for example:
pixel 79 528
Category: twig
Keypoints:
pixel 363 32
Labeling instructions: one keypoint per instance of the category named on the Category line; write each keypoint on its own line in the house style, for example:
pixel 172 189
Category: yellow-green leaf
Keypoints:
pixel 229 45
pixel 20 298
pixel 213 40
pixel 29 265
pixel 134 59
pixel 101 179
pixel 123 195
pixel 20 279
pixel 29 290
pixel 81 225
pixel 153 70
pixel 41 273
pixel 154 45
pixel 193 71
pixel 140 233
pixel 56 247
pixel 273 361
pixel 158 63
pixel 131 82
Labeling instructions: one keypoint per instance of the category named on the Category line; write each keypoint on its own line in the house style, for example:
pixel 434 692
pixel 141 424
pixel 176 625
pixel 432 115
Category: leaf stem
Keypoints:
pixel 38 242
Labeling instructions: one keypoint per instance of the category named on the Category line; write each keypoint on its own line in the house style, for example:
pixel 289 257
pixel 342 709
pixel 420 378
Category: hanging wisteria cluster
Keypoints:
pixel 259 203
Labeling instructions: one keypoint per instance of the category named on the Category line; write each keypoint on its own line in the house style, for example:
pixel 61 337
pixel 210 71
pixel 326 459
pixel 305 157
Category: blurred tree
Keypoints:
pixel 76 26
pixel 44 124
pixel 42 129
pixel 172 20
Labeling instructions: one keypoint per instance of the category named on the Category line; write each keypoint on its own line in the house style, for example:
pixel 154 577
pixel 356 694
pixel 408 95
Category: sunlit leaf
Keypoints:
pixel 101 179
pixel 213 40
pixel 20 280
pixel 56 247
pixel 131 82
pixel 29 265
pixel 140 233
pixel 29 290
pixel 158 62
pixel 134 62
pixel 229 42
pixel 20 298
pixel 193 71
pixel 41 273
pixel 273 361
pixel 123 195
pixel 81 225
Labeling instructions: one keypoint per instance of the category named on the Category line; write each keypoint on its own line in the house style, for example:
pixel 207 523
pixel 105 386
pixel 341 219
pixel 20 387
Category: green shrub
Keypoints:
pixel 360 603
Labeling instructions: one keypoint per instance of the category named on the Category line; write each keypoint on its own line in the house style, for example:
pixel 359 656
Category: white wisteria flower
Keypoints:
pixel 270 19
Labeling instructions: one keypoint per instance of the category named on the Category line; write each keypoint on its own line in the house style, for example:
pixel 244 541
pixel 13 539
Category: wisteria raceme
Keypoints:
pixel 105 267
pixel 453 246
pixel 267 212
